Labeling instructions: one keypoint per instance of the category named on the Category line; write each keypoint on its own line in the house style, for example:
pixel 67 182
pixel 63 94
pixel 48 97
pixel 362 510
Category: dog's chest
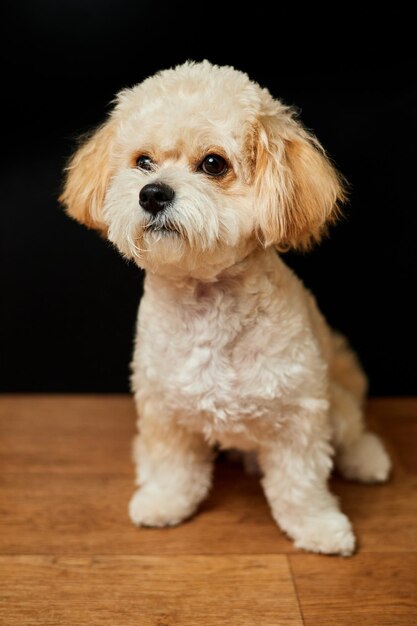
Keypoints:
pixel 212 360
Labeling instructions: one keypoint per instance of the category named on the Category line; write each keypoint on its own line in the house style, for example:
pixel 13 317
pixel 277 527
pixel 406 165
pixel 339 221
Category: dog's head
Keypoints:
pixel 197 166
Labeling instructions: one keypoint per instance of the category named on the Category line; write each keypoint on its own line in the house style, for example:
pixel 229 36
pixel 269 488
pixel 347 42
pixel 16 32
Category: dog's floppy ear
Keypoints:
pixel 298 191
pixel 87 177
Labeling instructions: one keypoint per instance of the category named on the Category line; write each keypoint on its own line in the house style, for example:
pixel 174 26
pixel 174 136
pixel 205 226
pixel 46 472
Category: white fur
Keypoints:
pixel 231 348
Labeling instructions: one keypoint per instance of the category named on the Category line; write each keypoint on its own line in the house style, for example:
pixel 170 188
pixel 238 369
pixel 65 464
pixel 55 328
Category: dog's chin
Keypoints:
pixel 154 230
pixel 167 252
pixel 162 249
pixel 163 240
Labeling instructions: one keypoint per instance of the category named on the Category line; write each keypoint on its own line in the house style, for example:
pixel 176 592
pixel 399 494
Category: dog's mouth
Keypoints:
pixel 161 228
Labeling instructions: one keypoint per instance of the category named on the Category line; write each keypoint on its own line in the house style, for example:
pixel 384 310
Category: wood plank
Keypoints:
pixel 367 589
pixel 62 433
pixel 148 591
pixel 93 433
pixel 63 513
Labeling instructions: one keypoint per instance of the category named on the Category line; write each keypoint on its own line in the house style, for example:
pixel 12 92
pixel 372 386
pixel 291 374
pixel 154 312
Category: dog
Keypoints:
pixel 202 178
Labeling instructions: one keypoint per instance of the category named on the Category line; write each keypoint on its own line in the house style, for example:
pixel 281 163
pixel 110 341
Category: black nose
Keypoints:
pixel 155 197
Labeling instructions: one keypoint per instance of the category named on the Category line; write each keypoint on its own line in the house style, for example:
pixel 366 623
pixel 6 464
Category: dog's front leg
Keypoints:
pixel 174 468
pixel 295 473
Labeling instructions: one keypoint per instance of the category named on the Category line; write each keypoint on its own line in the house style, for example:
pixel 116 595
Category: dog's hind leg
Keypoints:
pixel 359 454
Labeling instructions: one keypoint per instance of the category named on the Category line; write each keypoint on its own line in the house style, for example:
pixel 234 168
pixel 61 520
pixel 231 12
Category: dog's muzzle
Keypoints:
pixel 156 197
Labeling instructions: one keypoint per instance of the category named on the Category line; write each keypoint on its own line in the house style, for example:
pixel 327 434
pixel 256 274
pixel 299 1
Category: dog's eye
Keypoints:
pixel 213 165
pixel 144 162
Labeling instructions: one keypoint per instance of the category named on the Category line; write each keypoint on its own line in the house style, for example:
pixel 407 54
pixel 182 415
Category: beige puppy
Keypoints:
pixel 199 175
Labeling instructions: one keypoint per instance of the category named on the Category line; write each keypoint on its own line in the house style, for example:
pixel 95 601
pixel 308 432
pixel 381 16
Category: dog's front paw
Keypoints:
pixel 327 533
pixel 156 507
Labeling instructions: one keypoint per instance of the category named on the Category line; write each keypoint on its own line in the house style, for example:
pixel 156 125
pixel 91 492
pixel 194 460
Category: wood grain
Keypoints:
pixel 148 591
pixel 62 434
pixel 69 554
pixel 378 589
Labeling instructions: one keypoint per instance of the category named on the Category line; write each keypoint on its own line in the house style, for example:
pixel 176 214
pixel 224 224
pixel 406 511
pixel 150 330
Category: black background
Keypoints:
pixel 68 301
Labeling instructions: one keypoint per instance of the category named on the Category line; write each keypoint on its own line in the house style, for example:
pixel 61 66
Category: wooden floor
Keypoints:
pixel 70 556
